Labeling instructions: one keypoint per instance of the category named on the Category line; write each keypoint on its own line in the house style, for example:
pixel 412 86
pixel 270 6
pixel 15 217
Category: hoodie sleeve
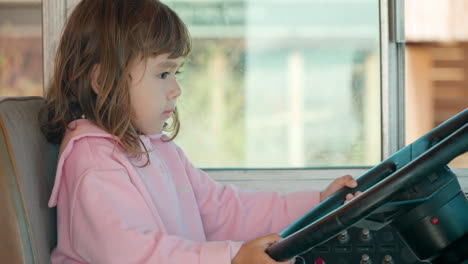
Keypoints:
pixel 230 213
pixel 111 223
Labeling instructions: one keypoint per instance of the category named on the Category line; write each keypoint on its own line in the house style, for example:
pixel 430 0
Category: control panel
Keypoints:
pixel 361 246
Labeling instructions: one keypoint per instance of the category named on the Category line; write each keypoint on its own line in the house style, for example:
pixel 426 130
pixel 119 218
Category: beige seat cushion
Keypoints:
pixel 27 169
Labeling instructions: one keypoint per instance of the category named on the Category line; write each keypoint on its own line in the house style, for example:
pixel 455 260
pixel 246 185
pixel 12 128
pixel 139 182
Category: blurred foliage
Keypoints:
pixel 212 105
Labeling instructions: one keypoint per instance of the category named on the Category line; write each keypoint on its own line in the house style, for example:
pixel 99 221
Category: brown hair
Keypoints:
pixel 111 34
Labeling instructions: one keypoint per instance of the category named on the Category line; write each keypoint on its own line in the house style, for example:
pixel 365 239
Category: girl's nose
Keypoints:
pixel 175 91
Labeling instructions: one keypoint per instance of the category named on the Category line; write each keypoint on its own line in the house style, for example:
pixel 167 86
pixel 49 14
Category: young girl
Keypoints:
pixel 125 193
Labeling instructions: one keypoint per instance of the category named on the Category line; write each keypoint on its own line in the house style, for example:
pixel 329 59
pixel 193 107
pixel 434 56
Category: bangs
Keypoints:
pixel 167 34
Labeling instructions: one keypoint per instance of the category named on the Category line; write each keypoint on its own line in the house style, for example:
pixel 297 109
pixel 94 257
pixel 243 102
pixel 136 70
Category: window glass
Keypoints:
pixel 281 83
pixel 436 67
pixel 20 48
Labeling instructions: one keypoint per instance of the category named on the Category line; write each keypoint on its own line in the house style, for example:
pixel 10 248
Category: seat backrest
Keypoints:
pixel 27 169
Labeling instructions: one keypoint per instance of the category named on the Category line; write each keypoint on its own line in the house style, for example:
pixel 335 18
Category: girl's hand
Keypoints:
pixel 337 184
pixel 253 252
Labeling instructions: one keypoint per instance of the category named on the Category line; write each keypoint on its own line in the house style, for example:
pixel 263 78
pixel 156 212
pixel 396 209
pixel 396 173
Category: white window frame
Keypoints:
pixel 392 69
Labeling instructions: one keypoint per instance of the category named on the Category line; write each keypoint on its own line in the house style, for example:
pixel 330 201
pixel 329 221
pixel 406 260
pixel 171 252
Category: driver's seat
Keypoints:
pixel 27 169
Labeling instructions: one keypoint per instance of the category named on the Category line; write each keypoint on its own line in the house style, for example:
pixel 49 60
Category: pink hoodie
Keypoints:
pixel 112 210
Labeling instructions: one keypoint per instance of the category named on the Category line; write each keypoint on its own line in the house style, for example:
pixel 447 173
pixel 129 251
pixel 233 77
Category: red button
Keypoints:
pixel 319 261
pixel 435 220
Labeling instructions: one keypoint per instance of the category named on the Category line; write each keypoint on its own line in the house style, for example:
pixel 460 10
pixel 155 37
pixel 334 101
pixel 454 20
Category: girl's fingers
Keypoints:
pixel 268 240
pixel 291 261
pixel 351 183
pixel 350 196
pixel 347 181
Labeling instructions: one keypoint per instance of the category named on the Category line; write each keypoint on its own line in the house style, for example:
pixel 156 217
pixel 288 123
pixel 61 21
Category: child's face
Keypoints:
pixel 154 91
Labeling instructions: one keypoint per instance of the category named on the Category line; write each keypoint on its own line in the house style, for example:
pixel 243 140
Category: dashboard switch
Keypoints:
pixel 365 235
pixel 365 259
pixel 343 237
pixel 388 259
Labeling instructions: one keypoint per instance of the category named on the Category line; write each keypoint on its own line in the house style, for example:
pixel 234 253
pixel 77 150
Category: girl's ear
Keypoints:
pixel 95 77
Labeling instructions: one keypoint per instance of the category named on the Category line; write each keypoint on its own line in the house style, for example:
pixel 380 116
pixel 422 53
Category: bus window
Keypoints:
pixel 20 48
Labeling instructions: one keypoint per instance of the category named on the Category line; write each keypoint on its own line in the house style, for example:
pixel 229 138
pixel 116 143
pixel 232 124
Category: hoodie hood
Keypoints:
pixel 79 129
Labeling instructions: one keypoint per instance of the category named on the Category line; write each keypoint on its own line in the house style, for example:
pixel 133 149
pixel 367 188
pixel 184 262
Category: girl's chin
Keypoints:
pixel 151 130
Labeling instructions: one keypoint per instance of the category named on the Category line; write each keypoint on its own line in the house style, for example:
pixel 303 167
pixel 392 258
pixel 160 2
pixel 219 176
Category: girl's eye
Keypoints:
pixel 178 74
pixel 163 75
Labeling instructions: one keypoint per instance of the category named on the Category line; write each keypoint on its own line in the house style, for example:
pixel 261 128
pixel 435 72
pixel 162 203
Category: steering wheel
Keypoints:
pixel 379 186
